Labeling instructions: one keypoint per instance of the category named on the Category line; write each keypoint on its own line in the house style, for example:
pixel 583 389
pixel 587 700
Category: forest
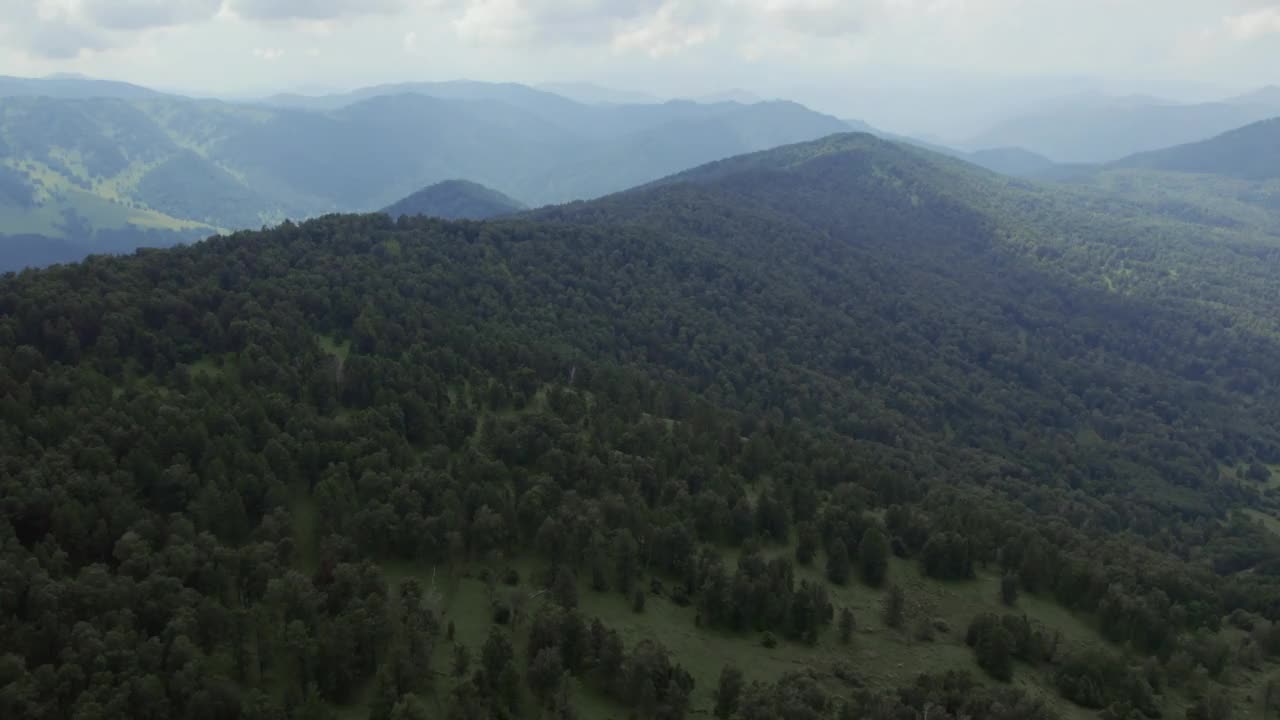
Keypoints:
pixel 825 410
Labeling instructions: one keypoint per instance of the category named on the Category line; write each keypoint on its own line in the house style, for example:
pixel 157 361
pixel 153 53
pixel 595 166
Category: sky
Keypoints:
pixel 882 60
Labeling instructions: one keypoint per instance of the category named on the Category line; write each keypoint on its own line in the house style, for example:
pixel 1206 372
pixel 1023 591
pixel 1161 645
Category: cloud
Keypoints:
pixel 59 40
pixel 670 30
pixel 143 14
pixel 545 22
pixel 278 10
pixel 410 42
pixel 1254 24
pixel 268 54
pixel 823 18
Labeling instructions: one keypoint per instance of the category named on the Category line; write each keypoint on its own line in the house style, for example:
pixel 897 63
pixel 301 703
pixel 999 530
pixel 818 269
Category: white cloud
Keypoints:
pixel 269 54
pixel 410 42
pixel 668 31
pixel 142 14
pixel 825 18
pixel 558 22
pixel 1254 24
pixel 277 10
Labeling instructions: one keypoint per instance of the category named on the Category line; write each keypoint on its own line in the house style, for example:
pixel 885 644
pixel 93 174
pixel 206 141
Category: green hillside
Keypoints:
pixel 843 429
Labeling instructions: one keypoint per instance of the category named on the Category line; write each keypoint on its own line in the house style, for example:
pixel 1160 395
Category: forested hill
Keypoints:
pixel 1249 153
pixel 456 200
pixel 767 436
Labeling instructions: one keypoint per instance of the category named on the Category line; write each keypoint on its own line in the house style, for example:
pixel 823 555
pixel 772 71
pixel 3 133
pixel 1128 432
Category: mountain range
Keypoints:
pixel 105 162
pixel 96 166
pixel 1096 128
pixel 843 428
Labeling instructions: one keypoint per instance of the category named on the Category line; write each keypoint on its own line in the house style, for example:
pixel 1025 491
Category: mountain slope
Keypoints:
pixel 66 86
pixel 1092 129
pixel 600 432
pixel 456 200
pixel 1247 153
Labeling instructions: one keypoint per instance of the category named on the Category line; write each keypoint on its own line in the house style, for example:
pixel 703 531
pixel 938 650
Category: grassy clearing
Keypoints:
pixel 1269 521
pixel 340 349
pixel 306 522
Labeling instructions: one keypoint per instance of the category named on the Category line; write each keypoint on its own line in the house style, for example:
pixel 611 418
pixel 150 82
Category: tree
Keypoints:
pixel 995 653
pixel 838 562
pixel 895 607
pixel 545 673
pixel 873 556
pixel 411 708
pixel 637 601
pixel 1215 704
pixel 1009 589
pixel 1271 696
pixel 847 626
pixel 806 543
pixel 496 655
pixel 625 558
pixel 565 588
pixel 461 660
pixel 728 692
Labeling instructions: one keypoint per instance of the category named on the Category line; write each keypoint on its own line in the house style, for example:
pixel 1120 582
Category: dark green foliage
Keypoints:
pixel 210 449
pixel 847 626
pixel 728 692
pixel 895 607
pixel 873 556
pixel 545 671
pixel 995 653
pixel 565 588
pixel 1098 678
pixel 838 562
pixel 997 641
pixel 1215 704
pixel 801 696
pixel 806 543
pixel 947 557
pixel 1009 589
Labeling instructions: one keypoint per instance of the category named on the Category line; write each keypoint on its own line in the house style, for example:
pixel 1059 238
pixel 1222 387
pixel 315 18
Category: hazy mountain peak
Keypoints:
pixel 456 200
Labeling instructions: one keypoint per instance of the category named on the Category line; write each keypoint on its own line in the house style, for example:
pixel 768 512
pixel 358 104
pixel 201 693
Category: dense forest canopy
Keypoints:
pixel 811 408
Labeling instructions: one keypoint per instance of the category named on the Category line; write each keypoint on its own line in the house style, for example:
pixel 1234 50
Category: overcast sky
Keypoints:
pixel 829 53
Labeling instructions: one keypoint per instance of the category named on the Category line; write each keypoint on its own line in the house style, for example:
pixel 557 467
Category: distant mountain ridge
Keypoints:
pixel 1248 153
pixel 71 86
pixel 1098 129
pixel 456 200
pixel 85 156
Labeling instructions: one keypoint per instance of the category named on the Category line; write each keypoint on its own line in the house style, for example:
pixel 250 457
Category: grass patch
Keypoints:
pixel 332 346
pixel 1268 521
pixel 306 524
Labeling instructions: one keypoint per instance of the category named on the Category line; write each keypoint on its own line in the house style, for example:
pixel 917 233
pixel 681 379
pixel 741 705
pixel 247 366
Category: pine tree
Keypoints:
pixel 838 563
